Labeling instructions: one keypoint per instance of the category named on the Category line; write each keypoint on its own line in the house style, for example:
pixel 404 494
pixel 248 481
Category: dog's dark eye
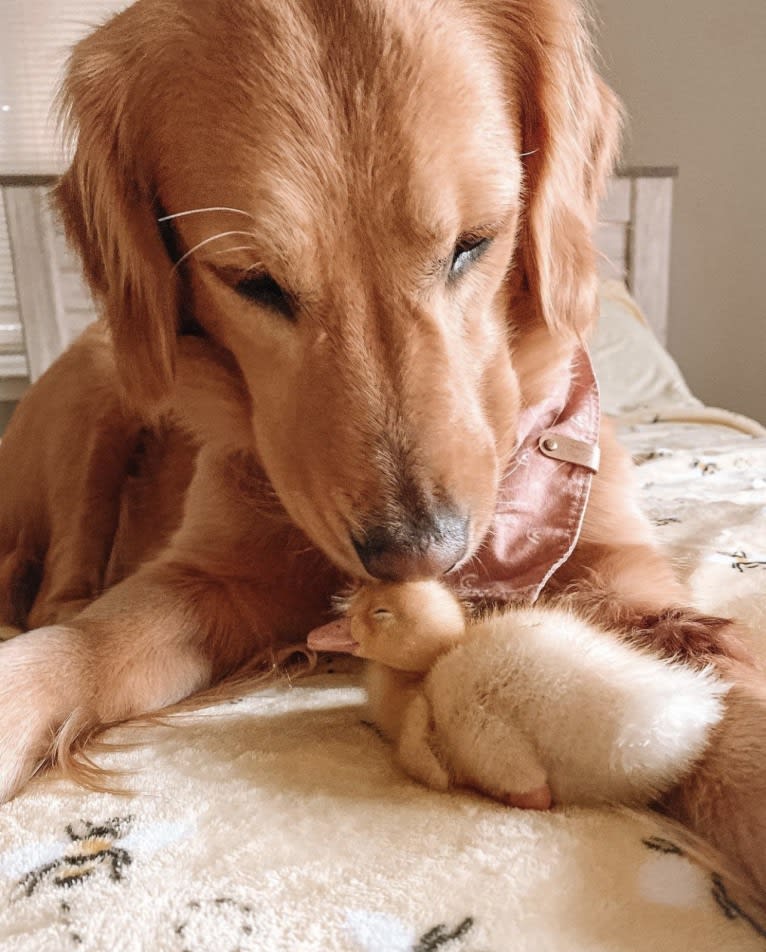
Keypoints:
pixel 468 249
pixel 264 290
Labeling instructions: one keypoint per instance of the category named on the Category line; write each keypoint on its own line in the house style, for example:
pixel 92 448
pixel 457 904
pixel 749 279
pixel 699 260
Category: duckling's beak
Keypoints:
pixel 334 636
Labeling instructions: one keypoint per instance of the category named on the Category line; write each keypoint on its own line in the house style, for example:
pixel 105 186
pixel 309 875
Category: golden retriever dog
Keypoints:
pixel 339 247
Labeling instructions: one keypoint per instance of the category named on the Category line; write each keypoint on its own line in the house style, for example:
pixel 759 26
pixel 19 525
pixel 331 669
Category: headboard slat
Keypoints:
pixel 649 250
pixel 633 238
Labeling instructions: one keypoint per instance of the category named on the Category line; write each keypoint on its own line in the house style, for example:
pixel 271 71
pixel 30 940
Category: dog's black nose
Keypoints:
pixel 405 552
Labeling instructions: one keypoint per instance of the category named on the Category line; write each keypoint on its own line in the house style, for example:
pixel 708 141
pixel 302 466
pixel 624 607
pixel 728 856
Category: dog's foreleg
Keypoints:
pixel 150 641
pixel 724 799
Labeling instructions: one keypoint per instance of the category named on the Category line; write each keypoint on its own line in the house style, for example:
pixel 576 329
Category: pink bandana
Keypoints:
pixel 542 498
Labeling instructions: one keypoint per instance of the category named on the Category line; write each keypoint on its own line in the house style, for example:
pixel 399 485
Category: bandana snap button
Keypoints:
pixel 550 445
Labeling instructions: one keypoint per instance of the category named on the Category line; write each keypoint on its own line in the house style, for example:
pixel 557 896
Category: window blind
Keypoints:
pixel 35 38
pixel 10 329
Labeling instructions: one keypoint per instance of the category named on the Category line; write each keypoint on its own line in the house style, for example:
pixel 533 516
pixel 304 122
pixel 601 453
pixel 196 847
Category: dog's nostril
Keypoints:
pixel 407 552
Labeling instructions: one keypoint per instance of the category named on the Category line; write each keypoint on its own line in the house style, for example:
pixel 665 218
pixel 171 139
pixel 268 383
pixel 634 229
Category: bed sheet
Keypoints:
pixel 279 822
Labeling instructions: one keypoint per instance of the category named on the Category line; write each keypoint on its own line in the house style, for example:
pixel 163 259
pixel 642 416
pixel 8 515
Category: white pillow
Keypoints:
pixel 633 369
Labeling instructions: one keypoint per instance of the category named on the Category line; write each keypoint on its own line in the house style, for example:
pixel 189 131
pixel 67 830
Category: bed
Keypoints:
pixel 278 820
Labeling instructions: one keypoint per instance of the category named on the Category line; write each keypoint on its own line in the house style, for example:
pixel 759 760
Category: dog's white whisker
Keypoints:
pixel 206 241
pixel 224 251
pixel 202 211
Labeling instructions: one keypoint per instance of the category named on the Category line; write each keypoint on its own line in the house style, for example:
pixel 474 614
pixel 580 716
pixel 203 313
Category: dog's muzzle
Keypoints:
pixel 406 552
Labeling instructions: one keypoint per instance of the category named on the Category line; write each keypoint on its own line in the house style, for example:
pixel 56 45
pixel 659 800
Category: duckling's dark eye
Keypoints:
pixel 264 290
pixel 468 249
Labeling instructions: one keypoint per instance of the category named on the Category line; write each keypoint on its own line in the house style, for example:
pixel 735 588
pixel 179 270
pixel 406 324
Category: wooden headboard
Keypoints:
pixel 44 304
pixel 634 238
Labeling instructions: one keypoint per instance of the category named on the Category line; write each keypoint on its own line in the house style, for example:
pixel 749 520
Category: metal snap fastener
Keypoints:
pixel 550 445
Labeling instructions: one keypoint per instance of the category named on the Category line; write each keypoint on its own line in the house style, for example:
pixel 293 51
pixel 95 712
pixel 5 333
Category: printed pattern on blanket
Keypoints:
pixel 704 487
pixel 279 821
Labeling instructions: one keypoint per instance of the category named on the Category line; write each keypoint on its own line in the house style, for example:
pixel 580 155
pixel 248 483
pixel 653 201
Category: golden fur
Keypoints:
pixel 181 490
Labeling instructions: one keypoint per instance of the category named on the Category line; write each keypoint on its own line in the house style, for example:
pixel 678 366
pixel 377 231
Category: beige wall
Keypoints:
pixel 692 74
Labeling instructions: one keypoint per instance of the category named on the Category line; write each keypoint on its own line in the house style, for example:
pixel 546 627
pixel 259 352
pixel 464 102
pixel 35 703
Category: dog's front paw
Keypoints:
pixel 40 688
pixel 686 635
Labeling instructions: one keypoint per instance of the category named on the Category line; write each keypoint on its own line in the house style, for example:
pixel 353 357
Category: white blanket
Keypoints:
pixel 280 822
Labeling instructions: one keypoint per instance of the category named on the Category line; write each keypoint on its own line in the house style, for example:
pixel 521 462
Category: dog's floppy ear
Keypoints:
pixel 107 201
pixel 570 125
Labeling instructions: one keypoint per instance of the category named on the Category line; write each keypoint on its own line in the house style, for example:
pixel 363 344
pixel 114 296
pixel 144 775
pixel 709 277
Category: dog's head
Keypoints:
pixel 381 208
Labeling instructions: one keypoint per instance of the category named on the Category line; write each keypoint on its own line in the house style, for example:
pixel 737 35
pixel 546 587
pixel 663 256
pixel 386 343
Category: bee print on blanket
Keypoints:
pixel 93 849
